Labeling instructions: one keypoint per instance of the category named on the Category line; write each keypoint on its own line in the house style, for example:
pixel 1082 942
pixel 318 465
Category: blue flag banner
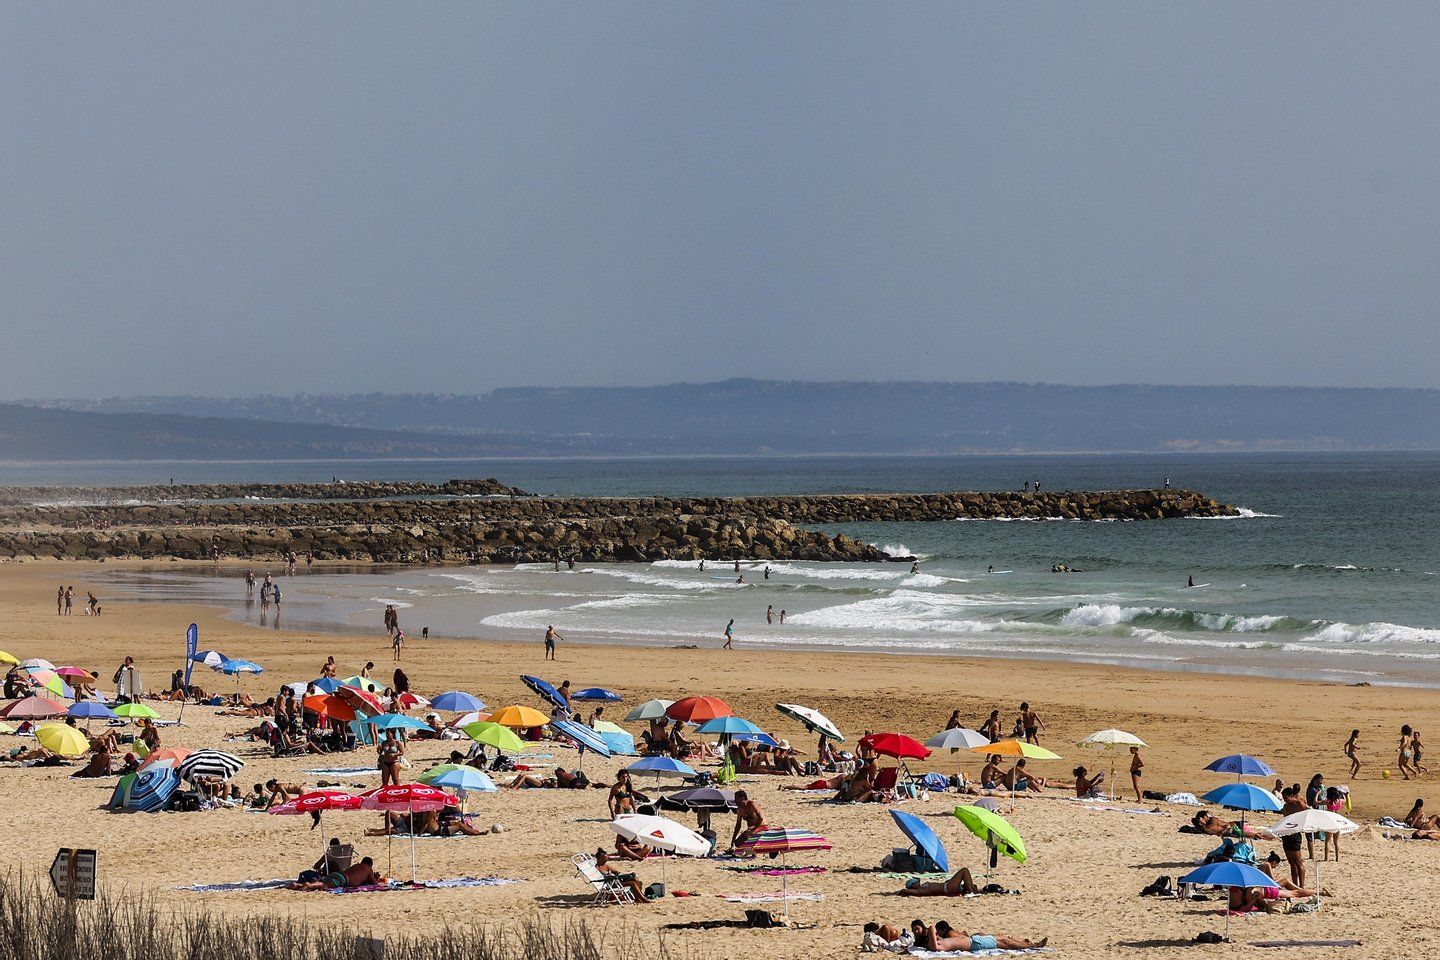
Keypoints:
pixel 192 643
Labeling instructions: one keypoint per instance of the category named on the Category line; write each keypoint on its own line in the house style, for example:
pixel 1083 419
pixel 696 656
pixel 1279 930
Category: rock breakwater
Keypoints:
pixel 486 522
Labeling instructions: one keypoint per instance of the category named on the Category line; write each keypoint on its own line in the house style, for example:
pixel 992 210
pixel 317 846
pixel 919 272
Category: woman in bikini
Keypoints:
pixel 390 751
pixel 1403 759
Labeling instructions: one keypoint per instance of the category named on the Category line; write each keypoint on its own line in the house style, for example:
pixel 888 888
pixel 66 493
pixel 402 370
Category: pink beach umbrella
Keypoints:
pixel 411 798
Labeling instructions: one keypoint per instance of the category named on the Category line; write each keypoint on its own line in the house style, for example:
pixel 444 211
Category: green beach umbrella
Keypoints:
pixel 135 711
pixel 997 832
pixel 494 735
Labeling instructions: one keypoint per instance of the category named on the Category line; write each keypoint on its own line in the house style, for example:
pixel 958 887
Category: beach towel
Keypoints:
pixel 343 771
pixel 1392 823
pixel 777 871
pixel 1305 943
pixel 1131 810
pixel 239 885
pixel 776 897
pixel 917 952
pixel 1188 799
pixel 394 887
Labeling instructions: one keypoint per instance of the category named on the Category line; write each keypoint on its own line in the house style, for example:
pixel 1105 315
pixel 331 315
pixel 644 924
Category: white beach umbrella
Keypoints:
pixel 1314 820
pixel 957 738
pixel 661 833
pixel 1109 740
pixel 813 719
pixel 650 710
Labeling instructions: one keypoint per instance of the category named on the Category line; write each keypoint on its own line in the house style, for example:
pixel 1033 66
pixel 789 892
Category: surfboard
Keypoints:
pixel 996 573
pixel 732 577
pixel 1198 586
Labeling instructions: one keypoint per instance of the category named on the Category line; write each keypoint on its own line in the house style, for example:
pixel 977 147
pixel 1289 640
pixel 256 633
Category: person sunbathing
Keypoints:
pixel 942 936
pixel 1019 780
pixel 603 864
pixel 958 884
pixel 860 789
pixel 36 756
pixel 451 821
pixel 104 741
pixel 829 783
pixel 627 849
pixel 1246 899
pixel 562 779
pixel 1086 786
pixel 281 792
pixel 99 765
pixel 362 874
pixel 1416 817
pixel 1227 828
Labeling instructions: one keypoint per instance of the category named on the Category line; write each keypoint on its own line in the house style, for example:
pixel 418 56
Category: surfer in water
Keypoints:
pixel 1190 582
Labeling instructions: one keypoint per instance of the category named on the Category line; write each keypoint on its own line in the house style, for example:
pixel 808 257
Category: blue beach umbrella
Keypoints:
pixel 731 725
pixel 545 689
pixel 587 739
pixel 457 701
pixel 464 780
pixel 1243 796
pixel 147 791
pixel 91 710
pixel 923 837
pixel 234 667
pixel 1242 765
pixel 661 767
pixel 596 693
pixel 764 738
pixel 327 684
pixel 398 721
pixel 1227 873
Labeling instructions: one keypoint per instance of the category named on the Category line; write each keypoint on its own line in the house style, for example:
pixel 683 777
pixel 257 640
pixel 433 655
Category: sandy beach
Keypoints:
pixel 1079 886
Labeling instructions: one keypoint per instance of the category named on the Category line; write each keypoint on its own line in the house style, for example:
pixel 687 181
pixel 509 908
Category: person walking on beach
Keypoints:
pixel 1350 752
pixel 1403 760
pixel 1417 749
pixel 550 637
pixel 397 642
pixel 1032 723
pixel 60 601
pixel 729 635
pixel 1137 768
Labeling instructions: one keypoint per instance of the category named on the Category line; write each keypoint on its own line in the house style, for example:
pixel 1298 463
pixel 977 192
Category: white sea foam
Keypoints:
pixel 627 601
pixel 650 580
pixel 1103 615
pixel 835 573
pixel 394 603
pixel 1245 513
pixel 1378 632
pixel 896 549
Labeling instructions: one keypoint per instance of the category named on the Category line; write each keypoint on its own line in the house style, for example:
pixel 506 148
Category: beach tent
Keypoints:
pixel 616 738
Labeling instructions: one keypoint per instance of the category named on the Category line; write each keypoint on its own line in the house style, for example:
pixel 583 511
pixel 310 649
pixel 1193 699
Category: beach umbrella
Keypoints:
pixel 764 738
pixel 895 745
pixel 209 763
pixel 169 757
pixel 62 738
pixel 409 701
pixel 699 798
pixel 91 710
pixel 474 716
pixel 663 834
pixel 37 663
pixel 597 693
pixel 6 728
pixel 586 738
pixel 398 721
pixel 1243 796
pixel 1242 765
pixel 363 701
pixel 457 701
pixel 7 658
pixel 521 718
pixel 923 837
pixel 618 739
pixel 728 725
pixel 315 803
pixel 782 840
pixel 329 705
pixel 997 832
pixel 327 684
pixel 698 709
pixel 210 658
pixel 75 675
pixel 1017 748
pixel 33 708
pixel 494 735
pixel 1227 873
pixel 649 710
pixel 234 667
pixel 145 790
pixel 546 690
pixel 52 682
pixel 1109 741
pixel 358 682
pixel 410 798
pixel 661 767
pixel 463 780
pixel 1314 820
pixel 956 739
pixel 135 711
pixel 814 720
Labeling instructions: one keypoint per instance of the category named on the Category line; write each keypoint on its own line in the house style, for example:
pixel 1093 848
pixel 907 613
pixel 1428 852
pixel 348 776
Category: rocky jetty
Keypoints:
pixel 486 522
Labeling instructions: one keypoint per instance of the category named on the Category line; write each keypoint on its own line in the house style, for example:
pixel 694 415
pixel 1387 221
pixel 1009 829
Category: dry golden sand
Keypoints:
pixel 1079 887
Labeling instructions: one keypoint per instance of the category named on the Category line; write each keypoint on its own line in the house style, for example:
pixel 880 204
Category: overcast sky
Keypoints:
pixel 230 199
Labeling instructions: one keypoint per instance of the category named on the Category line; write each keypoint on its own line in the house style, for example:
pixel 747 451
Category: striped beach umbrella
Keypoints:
pixel 546 690
pixel 587 739
pixel 209 763
pixel 780 841
pixel 146 791
pixel 210 658
pixel 362 701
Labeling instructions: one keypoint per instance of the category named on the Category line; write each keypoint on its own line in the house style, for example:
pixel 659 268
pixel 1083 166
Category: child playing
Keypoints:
pixel 1350 752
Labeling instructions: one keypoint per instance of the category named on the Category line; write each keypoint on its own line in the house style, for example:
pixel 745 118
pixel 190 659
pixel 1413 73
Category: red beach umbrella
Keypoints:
pixel 361 700
pixel 409 798
pixel 698 709
pixel 313 803
pixel 896 745
pixel 33 708
pixel 329 705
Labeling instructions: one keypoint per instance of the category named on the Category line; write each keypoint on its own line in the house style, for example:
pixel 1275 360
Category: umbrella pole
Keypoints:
pixel 784 886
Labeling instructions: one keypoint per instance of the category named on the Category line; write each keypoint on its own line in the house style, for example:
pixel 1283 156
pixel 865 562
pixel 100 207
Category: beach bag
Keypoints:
pixel 655 891
pixel 759 919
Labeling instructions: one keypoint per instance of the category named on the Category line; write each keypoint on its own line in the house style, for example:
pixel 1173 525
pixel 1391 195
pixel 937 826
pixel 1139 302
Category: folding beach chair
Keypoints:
pixel 607 889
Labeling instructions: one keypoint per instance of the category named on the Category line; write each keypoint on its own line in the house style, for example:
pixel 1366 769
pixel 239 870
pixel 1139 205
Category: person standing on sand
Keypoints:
pixel 748 819
pixel 397 643
pixel 1032 724
pixel 69 599
pixel 550 637
pixel 729 635
pixel 60 601
pixel 1137 768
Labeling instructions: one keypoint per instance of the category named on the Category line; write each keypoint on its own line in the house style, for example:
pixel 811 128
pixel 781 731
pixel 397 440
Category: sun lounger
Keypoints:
pixel 608 889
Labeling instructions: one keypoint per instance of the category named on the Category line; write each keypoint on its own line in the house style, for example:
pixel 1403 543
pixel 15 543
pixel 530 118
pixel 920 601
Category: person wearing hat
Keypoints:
pixel 785 760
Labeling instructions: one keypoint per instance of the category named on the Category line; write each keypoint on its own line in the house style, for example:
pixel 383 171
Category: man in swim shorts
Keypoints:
pixel 942 936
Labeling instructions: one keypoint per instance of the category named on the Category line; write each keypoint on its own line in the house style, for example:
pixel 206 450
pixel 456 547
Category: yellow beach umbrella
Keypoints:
pixel 7 658
pixel 62 738
pixel 520 717
pixel 1017 748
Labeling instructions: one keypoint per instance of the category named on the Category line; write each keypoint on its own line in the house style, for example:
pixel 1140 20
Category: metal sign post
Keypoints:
pixel 72 873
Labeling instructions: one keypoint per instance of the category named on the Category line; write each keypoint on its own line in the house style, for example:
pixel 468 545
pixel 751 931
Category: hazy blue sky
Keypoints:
pixel 239 198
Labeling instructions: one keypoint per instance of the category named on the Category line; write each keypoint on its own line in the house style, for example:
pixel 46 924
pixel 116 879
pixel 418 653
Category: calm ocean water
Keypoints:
pixel 1331 573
